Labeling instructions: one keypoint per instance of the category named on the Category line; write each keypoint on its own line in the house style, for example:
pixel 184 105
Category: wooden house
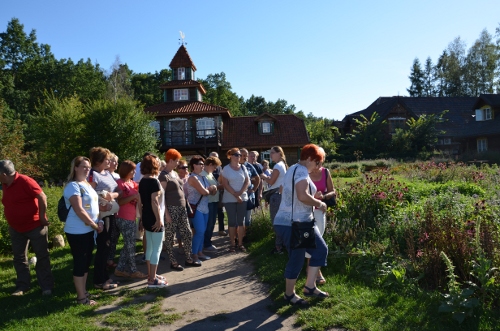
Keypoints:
pixel 186 123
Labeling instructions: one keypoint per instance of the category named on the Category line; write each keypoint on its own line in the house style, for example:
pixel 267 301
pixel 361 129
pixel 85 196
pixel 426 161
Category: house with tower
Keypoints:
pixel 186 123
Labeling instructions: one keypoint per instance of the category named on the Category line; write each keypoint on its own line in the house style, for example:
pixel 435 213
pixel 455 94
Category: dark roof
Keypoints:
pixel 492 100
pixel 182 59
pixel 184 84
pixel 459 110
pixel 186 108
pixel 243 131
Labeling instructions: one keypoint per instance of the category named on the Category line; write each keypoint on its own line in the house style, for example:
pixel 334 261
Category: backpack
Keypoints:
pixel 62 211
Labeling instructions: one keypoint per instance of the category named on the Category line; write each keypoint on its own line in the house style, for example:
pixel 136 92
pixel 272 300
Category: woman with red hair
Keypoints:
pixel 297 205
pixel 175 211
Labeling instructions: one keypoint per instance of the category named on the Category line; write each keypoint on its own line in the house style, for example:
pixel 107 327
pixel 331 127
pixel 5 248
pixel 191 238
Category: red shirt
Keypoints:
pixel 20 203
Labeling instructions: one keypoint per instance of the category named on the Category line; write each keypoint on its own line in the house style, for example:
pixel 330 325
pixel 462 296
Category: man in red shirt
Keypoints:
pixel 25 205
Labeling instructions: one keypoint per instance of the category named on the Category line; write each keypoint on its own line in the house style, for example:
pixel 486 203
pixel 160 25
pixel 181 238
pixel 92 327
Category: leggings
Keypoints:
pixel 154 242
pixel 179 223
pixel 127 255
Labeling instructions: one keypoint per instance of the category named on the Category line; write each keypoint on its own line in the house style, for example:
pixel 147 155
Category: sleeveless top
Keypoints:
pixel 193 195
pixel 321 184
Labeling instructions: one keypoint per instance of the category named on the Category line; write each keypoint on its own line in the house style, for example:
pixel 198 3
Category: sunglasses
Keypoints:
pixel 237 154
pixel 183 167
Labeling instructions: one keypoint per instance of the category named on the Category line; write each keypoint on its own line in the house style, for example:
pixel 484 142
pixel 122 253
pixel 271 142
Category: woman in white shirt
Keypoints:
pixel 275 181
pixel 81 224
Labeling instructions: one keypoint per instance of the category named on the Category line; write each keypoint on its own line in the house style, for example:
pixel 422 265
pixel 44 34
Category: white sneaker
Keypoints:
pixel 210 249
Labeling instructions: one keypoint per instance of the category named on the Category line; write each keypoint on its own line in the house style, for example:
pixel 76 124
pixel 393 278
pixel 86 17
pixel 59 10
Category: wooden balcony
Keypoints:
pixel 195 141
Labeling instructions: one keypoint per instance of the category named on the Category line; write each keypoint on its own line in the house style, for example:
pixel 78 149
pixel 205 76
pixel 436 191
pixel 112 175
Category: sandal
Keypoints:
pixel 86 301
pixel 320 280
pixel 193 264
pixel 242 248
pixel 232 249
pixel 106 286
pixel 158 283
pixel 176 266
pixel 298 302
pixel 311 292
pixel 159 277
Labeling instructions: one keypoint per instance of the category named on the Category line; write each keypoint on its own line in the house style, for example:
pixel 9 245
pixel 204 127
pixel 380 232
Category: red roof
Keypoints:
pixel 186 108
pixel 184 84
pixel 289 131
pixel 182 59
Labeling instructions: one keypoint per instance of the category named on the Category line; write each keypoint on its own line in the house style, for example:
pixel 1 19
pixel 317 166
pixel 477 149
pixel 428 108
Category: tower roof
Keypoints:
pixel 182 59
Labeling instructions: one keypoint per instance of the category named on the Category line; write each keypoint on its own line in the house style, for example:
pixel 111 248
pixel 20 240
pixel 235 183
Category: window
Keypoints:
pixel 181 74
pixel 177 132
pixel 266 155
pixel 266 127
pixel 181 94
pixel 482 145
pixel 484 114
pixel 205 127
pixel 444 141
pixel 156 126
pixel 396 123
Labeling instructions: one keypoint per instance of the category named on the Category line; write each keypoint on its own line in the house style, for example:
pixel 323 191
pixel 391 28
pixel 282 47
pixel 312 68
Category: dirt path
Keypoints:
pixel 223 294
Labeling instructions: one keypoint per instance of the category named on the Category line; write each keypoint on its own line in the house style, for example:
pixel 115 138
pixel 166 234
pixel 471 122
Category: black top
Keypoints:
pixel 148 186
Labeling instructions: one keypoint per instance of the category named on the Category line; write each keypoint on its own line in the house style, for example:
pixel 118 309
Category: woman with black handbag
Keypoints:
pixel 294 222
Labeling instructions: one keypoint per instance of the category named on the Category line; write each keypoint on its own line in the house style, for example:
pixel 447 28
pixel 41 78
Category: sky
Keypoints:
pixel 327 57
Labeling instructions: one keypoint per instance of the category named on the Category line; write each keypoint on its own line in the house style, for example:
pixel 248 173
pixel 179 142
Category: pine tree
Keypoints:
pixel 416 79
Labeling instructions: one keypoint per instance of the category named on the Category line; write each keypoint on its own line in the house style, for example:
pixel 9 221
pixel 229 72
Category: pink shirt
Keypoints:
pixel 321 184
pixel 127 211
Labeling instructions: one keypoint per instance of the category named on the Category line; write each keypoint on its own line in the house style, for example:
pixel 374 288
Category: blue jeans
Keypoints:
pixel 296 256
pixel 200 221
pixel 212 217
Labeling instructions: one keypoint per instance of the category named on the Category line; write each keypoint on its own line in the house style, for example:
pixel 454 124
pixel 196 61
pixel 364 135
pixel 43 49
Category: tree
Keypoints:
pixel 480 66
pixel 416 79
pixel 428 88
pixel 368 137
pixel 59 134
pixel 12 142
pixel 322 133
pixel 123 127
pixel 219 92
pixel 146 87
pixel 419 137
pixel 119 81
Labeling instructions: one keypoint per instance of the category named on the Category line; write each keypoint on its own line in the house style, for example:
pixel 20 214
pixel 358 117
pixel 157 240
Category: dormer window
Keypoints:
pixel 396 123
pixel 181 94
pixel 181 73
pixel 484 114
pixel 266 127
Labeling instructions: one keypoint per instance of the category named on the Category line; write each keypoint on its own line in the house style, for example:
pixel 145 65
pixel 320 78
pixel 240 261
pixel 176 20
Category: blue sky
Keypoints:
pixel 329 58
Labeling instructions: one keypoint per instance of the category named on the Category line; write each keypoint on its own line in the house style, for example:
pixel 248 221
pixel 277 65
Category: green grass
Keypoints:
pixel 353 304
pixel 124 310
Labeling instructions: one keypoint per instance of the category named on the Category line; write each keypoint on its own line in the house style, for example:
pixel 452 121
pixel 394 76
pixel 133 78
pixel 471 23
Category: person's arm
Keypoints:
pixel 194 182
pixel 330 189
pixel 274 177
pixel 168 218
pixel 76 204
pixel 245 186
pixel 302 188
pixel 155 205
pixel 42 208
pixel 255 182
pixel 124 201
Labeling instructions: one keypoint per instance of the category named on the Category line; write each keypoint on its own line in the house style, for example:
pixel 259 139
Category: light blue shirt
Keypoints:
pixel 90 203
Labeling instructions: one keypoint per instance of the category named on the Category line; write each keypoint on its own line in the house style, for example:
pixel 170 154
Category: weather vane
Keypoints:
pixel 181 39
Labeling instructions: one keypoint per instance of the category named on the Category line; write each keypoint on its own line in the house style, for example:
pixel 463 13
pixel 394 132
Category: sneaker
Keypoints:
pixel 47 292
pixel 119 273
pixel 222 233
pixel 138 275
pixel 211 248
pixel 158 283
pixel 204 258
pixel 18 293
pixel 277 251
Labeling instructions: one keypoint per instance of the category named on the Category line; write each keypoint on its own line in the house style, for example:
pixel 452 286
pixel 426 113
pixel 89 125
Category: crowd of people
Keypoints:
pixel 164 199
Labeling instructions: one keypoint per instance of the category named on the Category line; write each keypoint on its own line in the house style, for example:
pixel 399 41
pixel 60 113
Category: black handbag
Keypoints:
pixel 331 202
pixel 266 195
pixel 250 204
pixel 303 234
